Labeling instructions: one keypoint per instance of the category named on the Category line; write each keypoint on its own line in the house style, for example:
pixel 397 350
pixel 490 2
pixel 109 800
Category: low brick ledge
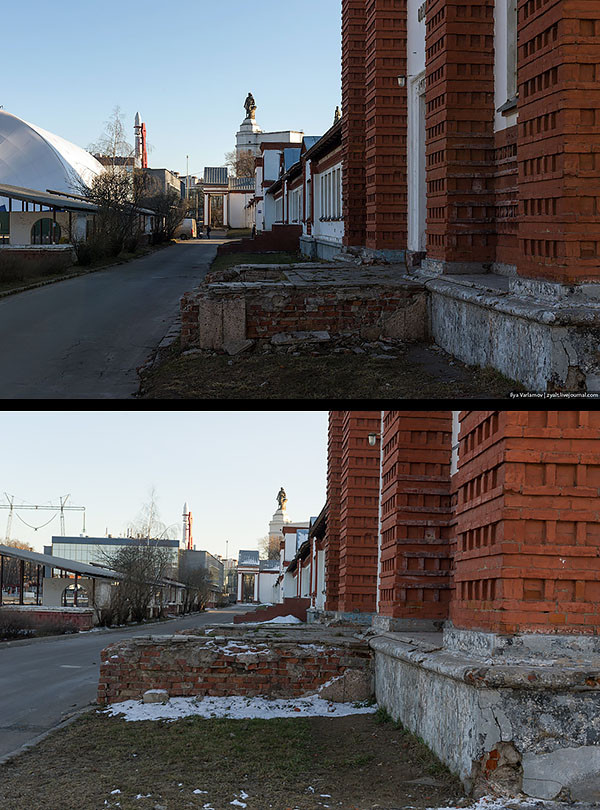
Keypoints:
pixel 197 665
pixel 374 302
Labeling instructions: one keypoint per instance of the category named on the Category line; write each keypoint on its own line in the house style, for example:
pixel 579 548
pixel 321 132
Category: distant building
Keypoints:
pixel 98 550
pixel 127 163
pixel 266 580
pixel 230 573
pixel 192 560
pixel 256 578
pixel 167 180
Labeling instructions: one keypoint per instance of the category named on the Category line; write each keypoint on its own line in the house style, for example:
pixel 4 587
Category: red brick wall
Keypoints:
pixel 559 120
pixel 359 511
pixel 506 196
pixel 81 620
pixel 353 121
pixel 280 238
pixel 385 124
pixel 331 540
pixel 187 668
pixel 528 522
pixel 331 309
pixel 415 514
pixel 459 124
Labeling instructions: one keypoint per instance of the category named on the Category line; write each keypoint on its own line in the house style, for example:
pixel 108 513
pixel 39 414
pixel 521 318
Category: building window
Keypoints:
pixel 511 56
pixel 296 205
pixel 455 443
pixel 45 232
pixel 331 194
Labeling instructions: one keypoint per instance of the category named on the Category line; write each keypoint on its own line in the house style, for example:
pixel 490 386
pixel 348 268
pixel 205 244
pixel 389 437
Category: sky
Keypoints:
pixel 227 465
pixel 186 66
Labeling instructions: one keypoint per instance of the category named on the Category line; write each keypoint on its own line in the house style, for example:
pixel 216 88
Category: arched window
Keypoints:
pixel 69 600
pixel 45 232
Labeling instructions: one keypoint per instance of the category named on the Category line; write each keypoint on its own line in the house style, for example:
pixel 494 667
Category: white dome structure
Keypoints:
pixel 31 157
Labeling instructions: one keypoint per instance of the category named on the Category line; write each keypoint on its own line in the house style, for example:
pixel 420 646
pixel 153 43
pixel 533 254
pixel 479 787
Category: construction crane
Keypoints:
pixel 62 508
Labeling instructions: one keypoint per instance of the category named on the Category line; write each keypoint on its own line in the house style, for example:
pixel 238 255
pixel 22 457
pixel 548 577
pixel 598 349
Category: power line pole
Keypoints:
pixel 62 508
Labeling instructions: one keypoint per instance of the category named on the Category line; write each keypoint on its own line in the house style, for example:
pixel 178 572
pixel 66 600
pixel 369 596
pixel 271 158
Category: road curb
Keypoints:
pixel 63 724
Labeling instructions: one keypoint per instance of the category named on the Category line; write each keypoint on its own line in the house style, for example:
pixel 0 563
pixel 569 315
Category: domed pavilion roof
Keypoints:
pixel 31 157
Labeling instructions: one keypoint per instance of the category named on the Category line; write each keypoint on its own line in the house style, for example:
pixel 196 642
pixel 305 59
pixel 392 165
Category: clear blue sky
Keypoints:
pixel 227 465
pixel 185 65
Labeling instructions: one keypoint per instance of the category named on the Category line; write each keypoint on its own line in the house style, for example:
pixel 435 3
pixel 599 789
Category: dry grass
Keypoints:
pixel 415 373
pixel 359 761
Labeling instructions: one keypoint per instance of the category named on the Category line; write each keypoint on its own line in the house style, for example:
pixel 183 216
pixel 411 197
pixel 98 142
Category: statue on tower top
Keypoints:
pixel 250 106
pixel 281 498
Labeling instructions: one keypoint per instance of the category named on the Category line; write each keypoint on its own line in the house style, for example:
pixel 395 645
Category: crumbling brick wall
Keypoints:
pixel 217 313
pixel 186 666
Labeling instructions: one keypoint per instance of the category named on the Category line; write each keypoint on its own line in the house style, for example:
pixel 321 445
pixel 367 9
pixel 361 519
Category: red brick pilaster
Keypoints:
pixel 528 522
pixel 332 534
pixel 559 151
pixel 415 515
pixel 353 121
pixel 359 512
pixel 506 196
pixel 460 136
pixel 385 124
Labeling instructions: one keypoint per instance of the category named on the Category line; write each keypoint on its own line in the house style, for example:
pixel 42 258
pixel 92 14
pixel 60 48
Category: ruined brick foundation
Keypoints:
pixel 255 302
pixel 228 661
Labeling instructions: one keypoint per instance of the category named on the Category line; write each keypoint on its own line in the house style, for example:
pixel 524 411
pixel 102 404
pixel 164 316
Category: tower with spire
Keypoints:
pixel 141 157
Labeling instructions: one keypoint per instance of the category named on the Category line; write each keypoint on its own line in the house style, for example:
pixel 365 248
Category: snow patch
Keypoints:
pixel 499 803
pixel 236 707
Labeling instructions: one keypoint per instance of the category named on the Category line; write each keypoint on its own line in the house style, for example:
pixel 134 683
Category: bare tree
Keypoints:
pixel 113 142
pixel 117 192
pixel 117 225
pixel 143 563
pixel 268 547
pixel 148 523
pixel 170 209
pixel 242 164
pixel 198 587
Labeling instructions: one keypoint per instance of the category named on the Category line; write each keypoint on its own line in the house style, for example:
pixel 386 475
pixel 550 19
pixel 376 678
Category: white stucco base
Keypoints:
pixel 319 247
pixel 500 722
pixel 541 334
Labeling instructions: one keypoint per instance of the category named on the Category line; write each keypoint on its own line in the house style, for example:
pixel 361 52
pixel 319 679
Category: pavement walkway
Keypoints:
pixel 44 681
pixel 85 337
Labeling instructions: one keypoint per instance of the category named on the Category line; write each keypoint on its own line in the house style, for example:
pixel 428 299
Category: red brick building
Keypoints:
pixel 503 537
pixel 469 135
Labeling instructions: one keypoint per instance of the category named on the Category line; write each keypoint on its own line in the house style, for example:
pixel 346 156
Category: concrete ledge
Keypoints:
pixel 389 623
pixel 547 344
pixel 498 726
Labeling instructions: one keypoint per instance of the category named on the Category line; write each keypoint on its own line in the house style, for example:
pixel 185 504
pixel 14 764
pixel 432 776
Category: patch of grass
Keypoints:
pixel 382 716
pixel 277 763
pixel 423 753
pixel 239 233
pixel 316 376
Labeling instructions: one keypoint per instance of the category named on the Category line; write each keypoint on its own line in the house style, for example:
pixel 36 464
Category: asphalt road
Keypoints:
pixel 85 338
pixel 44 681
